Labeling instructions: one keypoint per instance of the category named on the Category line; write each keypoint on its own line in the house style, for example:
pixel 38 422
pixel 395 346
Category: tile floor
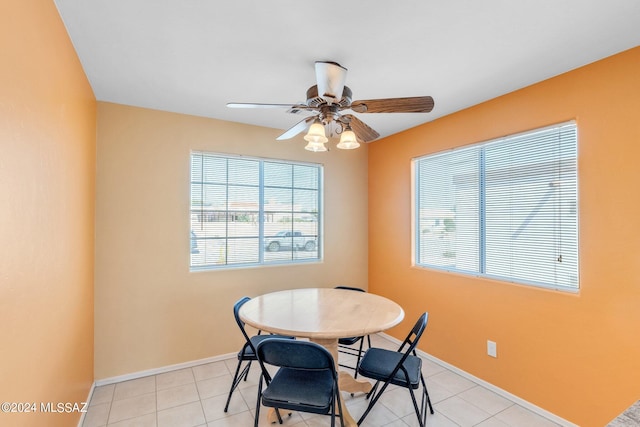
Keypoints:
pixel 195 397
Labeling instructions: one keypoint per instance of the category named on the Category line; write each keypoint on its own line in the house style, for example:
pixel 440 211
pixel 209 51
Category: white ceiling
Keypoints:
pixel 194 56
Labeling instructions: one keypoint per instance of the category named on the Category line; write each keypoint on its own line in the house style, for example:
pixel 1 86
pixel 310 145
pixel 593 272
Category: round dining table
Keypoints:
pixel 323 315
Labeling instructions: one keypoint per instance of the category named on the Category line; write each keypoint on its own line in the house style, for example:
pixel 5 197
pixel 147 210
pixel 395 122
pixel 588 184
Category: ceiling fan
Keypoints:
pixel 327 100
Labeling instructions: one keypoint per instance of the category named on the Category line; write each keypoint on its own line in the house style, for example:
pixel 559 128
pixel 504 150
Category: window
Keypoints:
pixel 250 211
pixel 504 209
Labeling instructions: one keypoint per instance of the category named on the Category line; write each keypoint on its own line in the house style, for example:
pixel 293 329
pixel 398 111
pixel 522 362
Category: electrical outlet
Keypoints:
pixel 492 349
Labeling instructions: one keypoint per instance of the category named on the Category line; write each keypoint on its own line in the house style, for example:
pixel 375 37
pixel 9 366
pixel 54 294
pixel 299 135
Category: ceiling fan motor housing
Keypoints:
pixel 314 100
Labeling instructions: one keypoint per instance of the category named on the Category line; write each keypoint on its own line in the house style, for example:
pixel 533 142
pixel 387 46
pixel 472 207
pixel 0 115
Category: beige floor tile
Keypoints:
pixel 486 400
pixel 492 422
pixel 430 367
pixel 210 370
pixel 438 392
pixel 517 416
pixel 451 381
pixel 148 420
pixel 97 415
pixel 396 423
pixel 379 416
pixel 250 395
pixel 241 419
pixel 214 386
pixel 102 394
pixel 214 407
pixel 174 378
pixel 132 407
pixel 176 396
pixel 462 412
pixel 188 415
pixel 399 401
pixel 433 420
pixel 137 387
pixel 288 419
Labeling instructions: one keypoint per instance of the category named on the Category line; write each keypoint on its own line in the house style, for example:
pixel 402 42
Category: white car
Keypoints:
pixel 288 240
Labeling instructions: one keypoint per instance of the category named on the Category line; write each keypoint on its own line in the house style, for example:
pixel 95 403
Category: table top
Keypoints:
pixel 321 313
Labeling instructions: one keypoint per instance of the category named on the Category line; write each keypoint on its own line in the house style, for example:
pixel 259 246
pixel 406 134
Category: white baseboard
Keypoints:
pixel 163 369
pixel 512 397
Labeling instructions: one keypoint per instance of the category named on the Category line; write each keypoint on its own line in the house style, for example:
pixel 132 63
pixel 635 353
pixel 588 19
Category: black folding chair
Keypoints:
pixel 306 380
pixel 403 369
pixel 248 351
pixel 345 345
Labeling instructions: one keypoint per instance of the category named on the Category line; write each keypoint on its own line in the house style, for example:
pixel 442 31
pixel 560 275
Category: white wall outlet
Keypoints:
pixel 492 349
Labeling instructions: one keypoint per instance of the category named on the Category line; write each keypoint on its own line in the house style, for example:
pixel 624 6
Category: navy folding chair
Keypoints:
pixel 402 368
pixel 248 351
pixel 306 380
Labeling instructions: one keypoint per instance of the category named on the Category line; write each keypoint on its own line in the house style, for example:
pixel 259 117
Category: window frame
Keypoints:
pixel 482 243
pixel 261 214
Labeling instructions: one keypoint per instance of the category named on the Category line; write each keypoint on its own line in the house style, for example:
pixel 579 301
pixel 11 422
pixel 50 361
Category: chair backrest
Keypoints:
pixel 236 315
pixel 293 354
pixel 349 288
pixel 414 335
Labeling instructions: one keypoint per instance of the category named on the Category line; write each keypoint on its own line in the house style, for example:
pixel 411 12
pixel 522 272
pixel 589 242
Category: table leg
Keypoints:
pixel 346 381
pixel 272 417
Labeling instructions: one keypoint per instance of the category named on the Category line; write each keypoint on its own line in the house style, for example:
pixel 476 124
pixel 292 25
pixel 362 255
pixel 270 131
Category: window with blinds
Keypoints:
pixel 250 211
pixel 505 209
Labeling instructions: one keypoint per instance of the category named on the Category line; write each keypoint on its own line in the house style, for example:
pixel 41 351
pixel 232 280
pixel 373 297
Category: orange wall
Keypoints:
pixel 573 355
pixel 47 174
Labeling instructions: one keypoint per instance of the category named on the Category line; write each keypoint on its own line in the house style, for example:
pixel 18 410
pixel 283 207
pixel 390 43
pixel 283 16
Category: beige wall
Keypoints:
pixel 150 310
pixel 47 178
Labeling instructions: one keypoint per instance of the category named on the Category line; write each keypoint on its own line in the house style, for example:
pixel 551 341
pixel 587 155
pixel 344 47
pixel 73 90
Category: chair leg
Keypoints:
pixel 246 374
pixel 359 357
pixel 255 421
pixel 415 406
pixel 373 401
pixel 237 377
pixel 424 386
pixel 373 390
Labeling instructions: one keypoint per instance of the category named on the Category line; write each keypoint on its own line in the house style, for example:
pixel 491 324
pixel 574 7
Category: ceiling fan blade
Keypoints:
pixel 330 77
pixel 415 104
pixel 250 105
pixel 297 128
pixel 362 130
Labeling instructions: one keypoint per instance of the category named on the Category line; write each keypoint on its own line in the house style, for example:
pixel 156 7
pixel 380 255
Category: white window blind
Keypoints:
pixel 249 211
pixel 505 209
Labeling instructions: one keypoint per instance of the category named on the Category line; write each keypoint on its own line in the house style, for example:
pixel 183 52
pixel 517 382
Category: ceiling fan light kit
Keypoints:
pixel 348 140
pixel 316 133
pixel 328 98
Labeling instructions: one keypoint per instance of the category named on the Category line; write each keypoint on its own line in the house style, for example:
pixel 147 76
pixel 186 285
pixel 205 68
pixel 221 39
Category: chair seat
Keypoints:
pixel 378 364
pixel 310 391
pixel 246 353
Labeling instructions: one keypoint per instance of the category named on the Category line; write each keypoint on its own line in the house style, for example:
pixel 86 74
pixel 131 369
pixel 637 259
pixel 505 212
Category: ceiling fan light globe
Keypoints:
pixel 315 146
pixel 348 140
pixel 316 134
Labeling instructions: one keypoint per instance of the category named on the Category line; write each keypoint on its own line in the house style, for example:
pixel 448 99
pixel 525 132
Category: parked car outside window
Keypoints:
pixel 288 240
